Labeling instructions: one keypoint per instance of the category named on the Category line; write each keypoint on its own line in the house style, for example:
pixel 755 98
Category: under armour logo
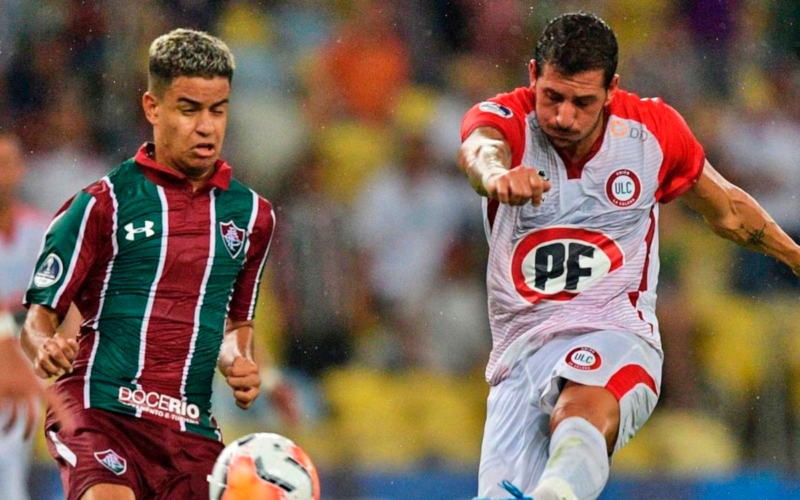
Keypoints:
pixel 133 231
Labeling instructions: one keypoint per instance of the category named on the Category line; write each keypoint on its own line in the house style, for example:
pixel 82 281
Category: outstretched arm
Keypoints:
pixel 485 158
pixel 736 216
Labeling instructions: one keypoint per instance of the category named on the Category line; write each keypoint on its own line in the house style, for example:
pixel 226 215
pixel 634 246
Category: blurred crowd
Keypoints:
pixel 346 114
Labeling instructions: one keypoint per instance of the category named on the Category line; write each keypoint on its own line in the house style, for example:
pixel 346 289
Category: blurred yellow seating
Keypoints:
pixel 397 419
pixel 353 152
pixel 736 345
pixel 373 424
pixel 681 443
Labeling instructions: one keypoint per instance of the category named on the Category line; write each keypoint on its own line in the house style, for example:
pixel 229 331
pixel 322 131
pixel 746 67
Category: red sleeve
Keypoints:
pixel 683 156
pixel 506 113
pixel 245 290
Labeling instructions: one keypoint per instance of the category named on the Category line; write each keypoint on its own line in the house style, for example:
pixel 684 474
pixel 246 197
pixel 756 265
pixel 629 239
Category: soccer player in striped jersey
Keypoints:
pixel 573 169
pixel 163 258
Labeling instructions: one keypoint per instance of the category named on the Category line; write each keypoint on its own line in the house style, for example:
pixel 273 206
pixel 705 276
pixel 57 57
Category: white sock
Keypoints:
pixel 578 465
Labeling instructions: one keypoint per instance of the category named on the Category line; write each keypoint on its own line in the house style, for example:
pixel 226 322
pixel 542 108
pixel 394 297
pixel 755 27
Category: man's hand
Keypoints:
pixel 54 356
pixel 20 390
pixel 517 186
pixel 243 377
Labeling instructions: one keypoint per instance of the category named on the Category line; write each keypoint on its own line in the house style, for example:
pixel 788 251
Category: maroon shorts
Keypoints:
pixel 155 461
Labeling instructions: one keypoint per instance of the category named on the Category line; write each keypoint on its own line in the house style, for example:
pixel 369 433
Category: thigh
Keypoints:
pixel 622 363
pixel 515 439
pixel 98 451
pixel 192 459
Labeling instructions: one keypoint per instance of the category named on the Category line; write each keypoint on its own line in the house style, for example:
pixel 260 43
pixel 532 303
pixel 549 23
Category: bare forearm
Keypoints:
pixel 40 325
pixel 238 342
pixel 750 226
pixel 482 157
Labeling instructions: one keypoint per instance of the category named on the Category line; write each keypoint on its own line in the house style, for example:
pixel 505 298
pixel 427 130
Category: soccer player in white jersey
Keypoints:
pixel 573 169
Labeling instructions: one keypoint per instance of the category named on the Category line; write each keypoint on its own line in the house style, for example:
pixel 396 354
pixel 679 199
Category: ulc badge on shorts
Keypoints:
pixel 584 358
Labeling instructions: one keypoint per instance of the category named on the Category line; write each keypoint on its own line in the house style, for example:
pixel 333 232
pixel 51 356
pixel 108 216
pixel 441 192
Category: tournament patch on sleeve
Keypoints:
pixel 498 109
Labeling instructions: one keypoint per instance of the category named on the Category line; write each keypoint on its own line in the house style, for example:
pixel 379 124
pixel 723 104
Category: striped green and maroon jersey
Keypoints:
pixel 155 268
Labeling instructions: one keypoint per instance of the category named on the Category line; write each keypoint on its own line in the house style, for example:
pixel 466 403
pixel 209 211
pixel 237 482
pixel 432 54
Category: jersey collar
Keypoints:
pixel 575 169
pixel 221 178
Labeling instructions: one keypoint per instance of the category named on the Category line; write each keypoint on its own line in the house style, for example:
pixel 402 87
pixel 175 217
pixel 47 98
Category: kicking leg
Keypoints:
pixel 583 428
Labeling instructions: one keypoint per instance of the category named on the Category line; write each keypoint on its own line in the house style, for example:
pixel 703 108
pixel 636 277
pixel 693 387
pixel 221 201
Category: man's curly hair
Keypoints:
pixel 185 52
pixel 578 42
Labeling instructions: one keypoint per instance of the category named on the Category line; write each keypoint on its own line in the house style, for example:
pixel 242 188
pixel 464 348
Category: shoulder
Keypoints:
pixel 519 101
pixel 505 112
pixel 240 191
pixel 652 112
pixel 124 173
pixel 104 192
pixel 254 202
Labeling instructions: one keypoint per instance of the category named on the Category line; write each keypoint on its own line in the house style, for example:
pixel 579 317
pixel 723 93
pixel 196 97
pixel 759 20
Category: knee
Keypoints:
pixel 574 409
pixel 600 410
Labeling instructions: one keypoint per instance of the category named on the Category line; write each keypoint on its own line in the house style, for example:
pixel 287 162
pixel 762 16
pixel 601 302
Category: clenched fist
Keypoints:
pixel 243 378
pixel 54 356
pixel 517 186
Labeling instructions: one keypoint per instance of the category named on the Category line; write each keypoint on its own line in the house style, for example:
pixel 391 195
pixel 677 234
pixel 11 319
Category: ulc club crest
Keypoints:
pixel 232 237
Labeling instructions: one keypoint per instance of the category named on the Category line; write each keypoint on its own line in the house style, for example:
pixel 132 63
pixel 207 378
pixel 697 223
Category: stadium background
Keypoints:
pixel 346 113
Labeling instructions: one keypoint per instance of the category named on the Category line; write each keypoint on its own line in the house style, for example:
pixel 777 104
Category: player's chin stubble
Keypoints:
pixel 195 171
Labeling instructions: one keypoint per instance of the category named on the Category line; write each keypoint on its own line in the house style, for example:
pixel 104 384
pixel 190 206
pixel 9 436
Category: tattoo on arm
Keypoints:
pixel 755 238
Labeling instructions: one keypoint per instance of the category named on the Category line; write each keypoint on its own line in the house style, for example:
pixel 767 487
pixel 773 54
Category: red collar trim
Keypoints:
pixel 574 170
pixel 144 157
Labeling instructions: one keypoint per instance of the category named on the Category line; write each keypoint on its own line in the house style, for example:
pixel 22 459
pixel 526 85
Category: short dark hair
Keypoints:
pixel 578 42
pixel 184 52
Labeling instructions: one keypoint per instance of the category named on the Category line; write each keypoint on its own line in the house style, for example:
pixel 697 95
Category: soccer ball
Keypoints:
pixel 263 466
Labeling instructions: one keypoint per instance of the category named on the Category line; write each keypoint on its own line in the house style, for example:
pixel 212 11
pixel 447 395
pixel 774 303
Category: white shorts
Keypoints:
pixel 517 433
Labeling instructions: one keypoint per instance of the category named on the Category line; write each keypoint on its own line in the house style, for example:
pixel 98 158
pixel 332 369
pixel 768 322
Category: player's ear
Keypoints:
pixel 532 71
pixel 150 106
pixel 612 89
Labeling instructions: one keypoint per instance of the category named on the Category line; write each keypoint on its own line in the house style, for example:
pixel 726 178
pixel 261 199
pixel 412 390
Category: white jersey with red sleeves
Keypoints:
pixel 586 259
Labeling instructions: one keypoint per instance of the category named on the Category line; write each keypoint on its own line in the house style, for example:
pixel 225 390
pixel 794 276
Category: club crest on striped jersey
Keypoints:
pixel 558 263
pixel 623 188
pixel 49 272
pixel 232 238
pixel 111 461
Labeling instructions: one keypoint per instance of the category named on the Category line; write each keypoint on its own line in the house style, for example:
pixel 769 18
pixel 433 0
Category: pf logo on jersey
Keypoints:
pixel 623 188
pixel 558 263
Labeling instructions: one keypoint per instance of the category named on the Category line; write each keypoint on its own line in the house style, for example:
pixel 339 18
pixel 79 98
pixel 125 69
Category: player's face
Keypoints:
pixel 189 123
pixel 569 108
